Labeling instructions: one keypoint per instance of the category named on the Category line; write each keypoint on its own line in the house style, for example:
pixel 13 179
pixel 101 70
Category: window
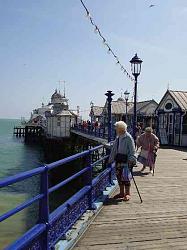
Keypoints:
pixel 184 127
pixel 168 106
pixel 58 121
pixel 177 123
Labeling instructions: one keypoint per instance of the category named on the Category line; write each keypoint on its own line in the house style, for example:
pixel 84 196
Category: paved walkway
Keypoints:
pixel 159 223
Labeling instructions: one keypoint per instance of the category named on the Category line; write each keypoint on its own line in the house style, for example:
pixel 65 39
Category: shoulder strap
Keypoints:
pixel 117 144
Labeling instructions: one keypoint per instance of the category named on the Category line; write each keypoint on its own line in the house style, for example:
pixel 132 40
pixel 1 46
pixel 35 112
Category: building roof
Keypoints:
pixel 180 98
pixel 97 111
pixel 64 113
pixel 56 95
pixel 120 99
pixel 74 113
pixel 140 105
pixel 119 107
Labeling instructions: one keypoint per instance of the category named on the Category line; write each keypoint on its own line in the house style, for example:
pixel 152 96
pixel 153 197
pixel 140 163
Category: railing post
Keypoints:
pixel 89 180
pixel 109 95
pixel 111 174
pixel 44 206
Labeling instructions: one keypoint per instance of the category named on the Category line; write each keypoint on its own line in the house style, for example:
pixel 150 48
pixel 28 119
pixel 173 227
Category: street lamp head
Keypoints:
pixel 91 103
pixel 109 93
pixel 136 65
pixel 126 93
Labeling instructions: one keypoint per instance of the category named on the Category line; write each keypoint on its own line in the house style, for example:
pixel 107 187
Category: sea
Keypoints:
pixel 17 157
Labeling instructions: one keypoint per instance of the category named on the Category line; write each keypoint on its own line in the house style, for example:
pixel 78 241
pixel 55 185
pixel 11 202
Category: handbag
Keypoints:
pixel 120 158
pixel 144 153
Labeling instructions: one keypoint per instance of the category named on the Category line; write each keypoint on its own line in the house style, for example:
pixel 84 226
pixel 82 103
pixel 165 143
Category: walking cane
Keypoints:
pixel 155 155
pixel 136 185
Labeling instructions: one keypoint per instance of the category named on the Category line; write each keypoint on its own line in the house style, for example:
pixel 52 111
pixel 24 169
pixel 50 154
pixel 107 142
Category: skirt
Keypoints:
pixel 148 161
pixel 123 173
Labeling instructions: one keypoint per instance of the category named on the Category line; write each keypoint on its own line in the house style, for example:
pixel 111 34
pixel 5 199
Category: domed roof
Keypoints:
pixel 56 95
pixel 120 99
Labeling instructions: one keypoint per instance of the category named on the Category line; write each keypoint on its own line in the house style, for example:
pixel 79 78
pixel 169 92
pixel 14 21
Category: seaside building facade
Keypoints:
pixel 96 114
pixel 172 118
pixel 55 118
pixel 38 117
pixel 145 112
pixel 59 118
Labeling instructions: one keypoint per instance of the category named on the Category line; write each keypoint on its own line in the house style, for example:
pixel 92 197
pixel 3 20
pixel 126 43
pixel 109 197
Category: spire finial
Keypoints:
pixel 64 88
pixel 62 81
pixel 168 86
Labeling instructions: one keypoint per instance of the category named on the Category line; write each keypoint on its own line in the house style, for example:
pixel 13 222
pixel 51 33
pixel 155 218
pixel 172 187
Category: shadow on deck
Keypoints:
pixel 159 223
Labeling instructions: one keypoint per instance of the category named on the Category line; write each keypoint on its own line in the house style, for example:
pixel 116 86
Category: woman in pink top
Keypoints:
pixel 149 144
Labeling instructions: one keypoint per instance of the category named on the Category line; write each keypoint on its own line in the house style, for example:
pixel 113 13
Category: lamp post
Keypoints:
pixel 136 70
pixel 126 93
pixel 109 95
pixel 91 111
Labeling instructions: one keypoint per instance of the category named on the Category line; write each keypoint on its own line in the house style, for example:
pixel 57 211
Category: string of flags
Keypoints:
pixel 110 50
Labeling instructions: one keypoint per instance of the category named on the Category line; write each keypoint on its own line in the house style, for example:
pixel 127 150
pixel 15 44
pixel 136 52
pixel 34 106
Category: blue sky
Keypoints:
pixel 43 41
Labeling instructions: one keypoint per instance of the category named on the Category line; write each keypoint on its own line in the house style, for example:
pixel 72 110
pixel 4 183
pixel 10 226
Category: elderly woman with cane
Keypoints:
pixel 149 144
pixel 123 154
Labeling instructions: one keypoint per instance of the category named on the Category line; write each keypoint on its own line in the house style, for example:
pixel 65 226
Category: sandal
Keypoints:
pixel 127 197
pixel 143 168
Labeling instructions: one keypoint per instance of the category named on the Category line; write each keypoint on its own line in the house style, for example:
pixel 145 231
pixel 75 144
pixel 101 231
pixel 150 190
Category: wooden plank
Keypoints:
pixel 159 223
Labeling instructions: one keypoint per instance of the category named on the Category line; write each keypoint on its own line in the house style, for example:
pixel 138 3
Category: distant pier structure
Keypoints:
pixel 33 133
pixel 30 133
pixel 19 131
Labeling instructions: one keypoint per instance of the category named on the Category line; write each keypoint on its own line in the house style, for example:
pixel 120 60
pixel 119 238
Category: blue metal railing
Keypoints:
pixel 100 132
pixel 53 226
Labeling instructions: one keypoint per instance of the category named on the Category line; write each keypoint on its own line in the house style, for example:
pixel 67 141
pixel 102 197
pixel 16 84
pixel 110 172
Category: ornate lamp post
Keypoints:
pixel 126 93
pixel 109 95
pixel 136 70
pixel 91 112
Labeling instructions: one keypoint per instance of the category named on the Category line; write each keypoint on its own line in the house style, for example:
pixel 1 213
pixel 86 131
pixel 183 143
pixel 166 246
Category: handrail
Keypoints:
pixel 20 207
pixel 21 243
pixel 96 148
pixel 63 183
pixel 98 132
pixel 100 160
pixel 20 177
pixel 67 159
pixel 84 196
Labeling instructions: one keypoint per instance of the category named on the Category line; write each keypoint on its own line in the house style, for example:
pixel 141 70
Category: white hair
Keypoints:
pixel 121 124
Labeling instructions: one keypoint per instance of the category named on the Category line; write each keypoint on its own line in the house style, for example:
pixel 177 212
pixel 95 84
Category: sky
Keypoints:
pixel 44 41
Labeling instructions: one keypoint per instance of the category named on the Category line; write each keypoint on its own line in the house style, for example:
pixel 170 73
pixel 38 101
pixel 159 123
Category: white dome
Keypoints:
pixel 56 97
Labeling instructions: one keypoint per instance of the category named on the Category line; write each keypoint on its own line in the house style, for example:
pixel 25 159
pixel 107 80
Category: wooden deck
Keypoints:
pixel 159 223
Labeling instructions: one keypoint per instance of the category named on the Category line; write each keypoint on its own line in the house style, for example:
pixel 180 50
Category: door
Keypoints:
pixel 177 129
pixel 170 128
pixel 163 121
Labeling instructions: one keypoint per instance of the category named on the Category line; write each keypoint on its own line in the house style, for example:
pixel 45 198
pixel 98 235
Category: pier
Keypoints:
pixel 70 173
pixel 97 135
pixel 90 219
pixel 160 222
pixel 31 133
pixel 19 131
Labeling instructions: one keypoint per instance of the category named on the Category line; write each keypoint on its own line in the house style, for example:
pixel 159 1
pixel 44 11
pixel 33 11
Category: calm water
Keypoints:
pixel 16 157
